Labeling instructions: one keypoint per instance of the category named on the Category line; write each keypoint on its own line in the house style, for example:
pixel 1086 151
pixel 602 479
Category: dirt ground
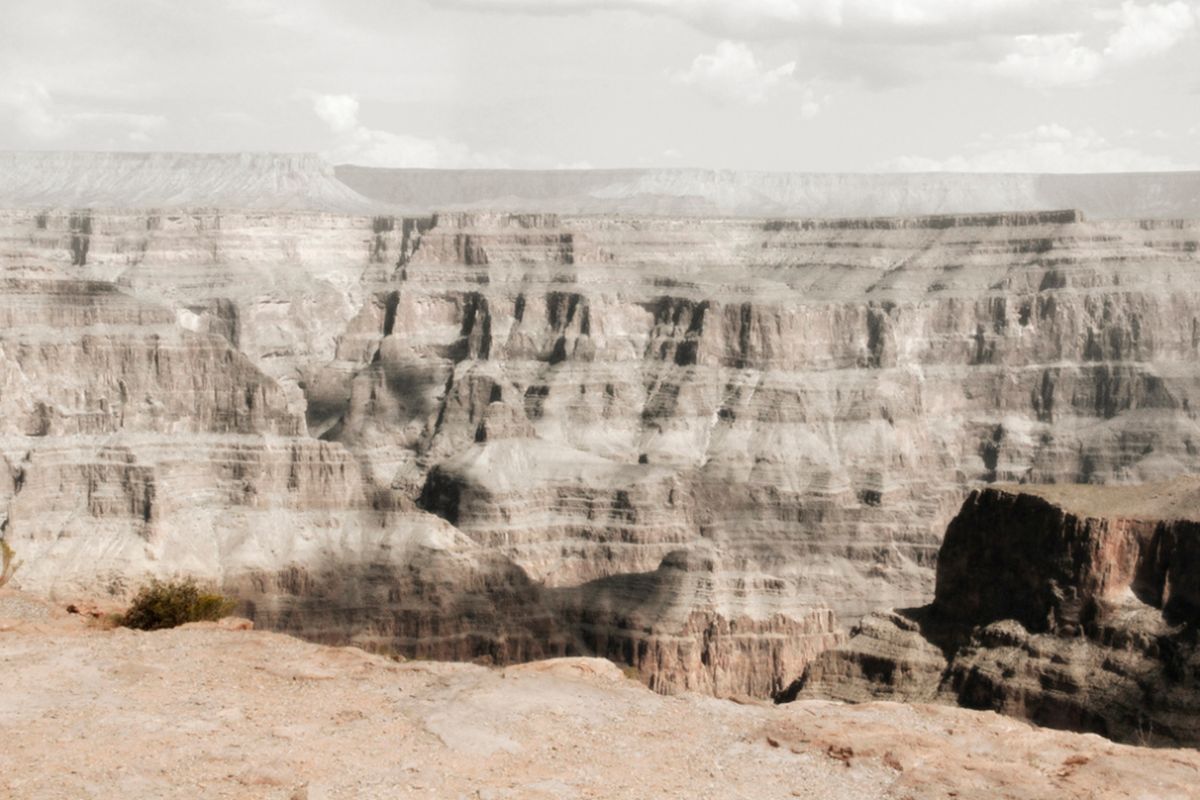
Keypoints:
pixel 209 711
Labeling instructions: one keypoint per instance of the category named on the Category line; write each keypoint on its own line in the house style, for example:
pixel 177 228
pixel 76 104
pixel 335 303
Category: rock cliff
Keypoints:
pixel 1074 607
pixel 681 443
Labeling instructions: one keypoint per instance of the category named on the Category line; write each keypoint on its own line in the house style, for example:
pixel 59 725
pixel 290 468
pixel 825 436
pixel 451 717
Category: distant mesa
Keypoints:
pixel 246 181
pixel 289 181
pixel 698 193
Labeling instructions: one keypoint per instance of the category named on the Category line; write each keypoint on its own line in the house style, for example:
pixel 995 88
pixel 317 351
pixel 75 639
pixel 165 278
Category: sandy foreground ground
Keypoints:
pixel 208 711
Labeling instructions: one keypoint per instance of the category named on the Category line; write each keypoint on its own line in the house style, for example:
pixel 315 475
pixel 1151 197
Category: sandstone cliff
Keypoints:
pixel 1074 607
pixel 677 442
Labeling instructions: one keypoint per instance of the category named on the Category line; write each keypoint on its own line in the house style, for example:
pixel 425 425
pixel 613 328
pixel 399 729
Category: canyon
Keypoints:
pixel 703 447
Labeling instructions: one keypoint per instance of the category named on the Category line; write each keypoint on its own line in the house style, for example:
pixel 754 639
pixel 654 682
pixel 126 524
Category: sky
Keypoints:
pixel 782 85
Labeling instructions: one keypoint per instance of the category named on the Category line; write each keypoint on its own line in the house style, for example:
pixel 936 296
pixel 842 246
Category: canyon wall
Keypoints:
pixel 700 447
pixel 1074 607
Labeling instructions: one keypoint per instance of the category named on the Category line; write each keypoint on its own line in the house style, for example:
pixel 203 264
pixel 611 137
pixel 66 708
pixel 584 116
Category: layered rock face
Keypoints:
pixel 1075 607
pixel 810 399
pixel 680 443
pixel 683 628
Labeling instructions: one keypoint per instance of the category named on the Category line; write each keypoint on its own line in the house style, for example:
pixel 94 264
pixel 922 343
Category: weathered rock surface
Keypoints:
pixel 684 629
pixel 204 711
pixel 1075 607
pixel 676 442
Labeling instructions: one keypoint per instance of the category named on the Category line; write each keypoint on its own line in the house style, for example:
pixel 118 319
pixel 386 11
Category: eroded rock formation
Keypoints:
pixel 680 443
pixel 1074 607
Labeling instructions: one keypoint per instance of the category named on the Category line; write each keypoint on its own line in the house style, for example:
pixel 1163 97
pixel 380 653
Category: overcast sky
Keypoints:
pixel 814 85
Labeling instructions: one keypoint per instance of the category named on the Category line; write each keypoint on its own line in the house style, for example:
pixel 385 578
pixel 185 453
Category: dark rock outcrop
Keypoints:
pixel 1073 607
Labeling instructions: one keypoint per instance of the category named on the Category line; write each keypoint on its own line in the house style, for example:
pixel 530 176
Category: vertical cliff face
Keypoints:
pixel 684 630
pixel 1058 604
pixel 812 396
pixel 678 442
pixel 134 447
pixel 1066 565
pixel 1056 555
pixel 81 358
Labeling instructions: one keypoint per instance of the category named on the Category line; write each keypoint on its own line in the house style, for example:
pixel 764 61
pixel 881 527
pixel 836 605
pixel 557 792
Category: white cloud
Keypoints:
pixel 39 117
pixel 1149 30
pixel 733 73
pixel 1052 60
pixel 339 111
pixel 811 106
pixel 1062 59
pixel 1047 148
pixel 33 109
pixel 358 144
pixel 775 18
pixel 139 128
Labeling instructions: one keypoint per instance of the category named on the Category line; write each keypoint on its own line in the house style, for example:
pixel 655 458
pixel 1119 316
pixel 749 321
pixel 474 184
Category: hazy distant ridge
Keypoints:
pixel 275 181
pixel 709 192
pixel 268 181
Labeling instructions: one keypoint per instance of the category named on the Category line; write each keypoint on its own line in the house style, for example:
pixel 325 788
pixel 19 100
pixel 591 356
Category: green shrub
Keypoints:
pixel 165 604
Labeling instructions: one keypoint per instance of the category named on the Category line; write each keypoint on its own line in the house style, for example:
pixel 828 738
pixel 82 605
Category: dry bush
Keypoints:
pixel 166 604
pixel 8 562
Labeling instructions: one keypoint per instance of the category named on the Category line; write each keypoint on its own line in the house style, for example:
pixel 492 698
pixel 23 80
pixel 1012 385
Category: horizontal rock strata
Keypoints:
pixel 678 442
pixel 1061 605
